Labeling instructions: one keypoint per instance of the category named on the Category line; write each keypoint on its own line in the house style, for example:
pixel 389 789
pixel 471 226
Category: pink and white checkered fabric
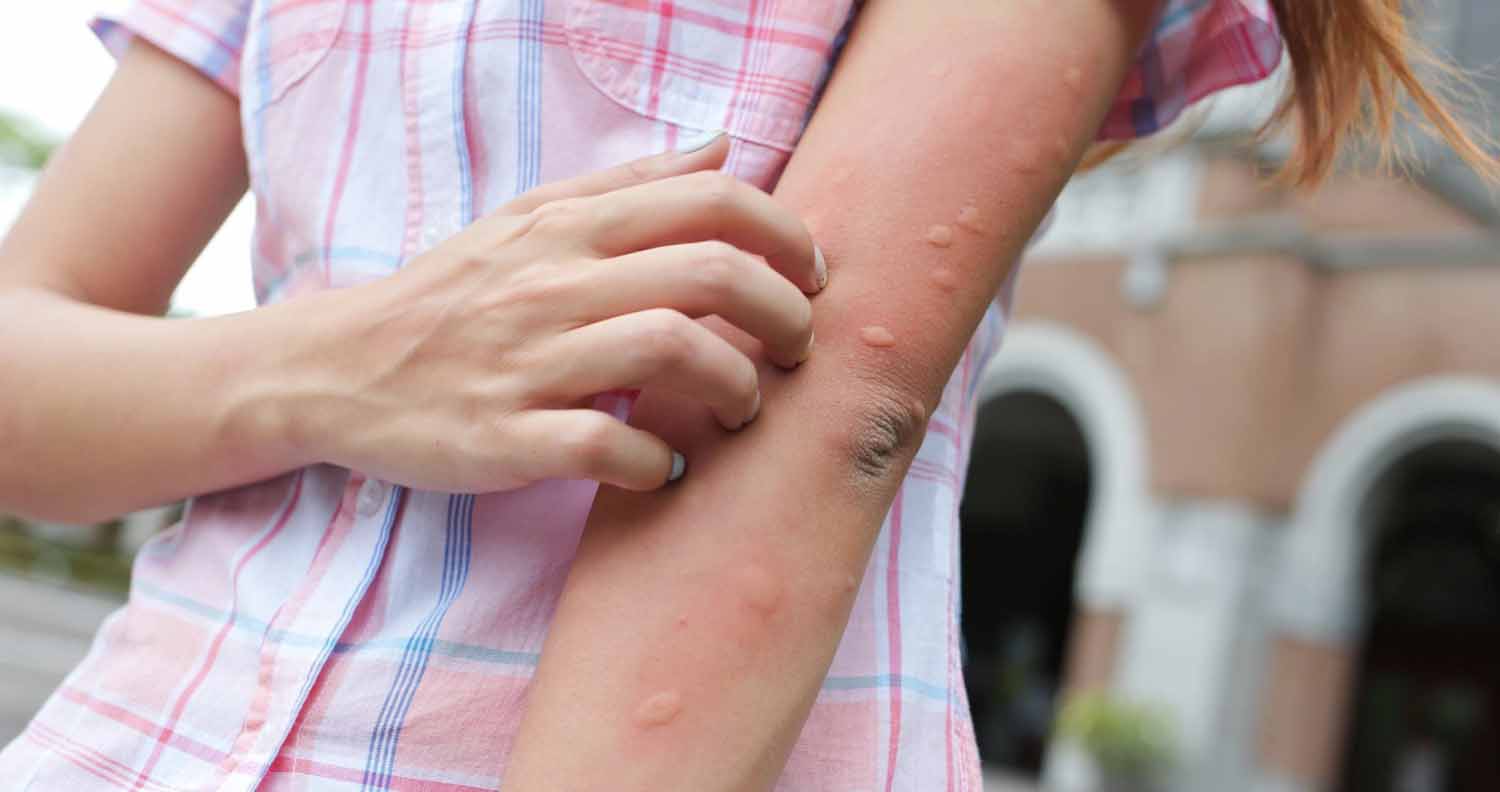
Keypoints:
pixel 328 631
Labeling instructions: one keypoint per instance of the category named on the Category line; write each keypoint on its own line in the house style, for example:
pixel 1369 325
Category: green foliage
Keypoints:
pixel 1128 741
pixel 22 144
pixel 100 568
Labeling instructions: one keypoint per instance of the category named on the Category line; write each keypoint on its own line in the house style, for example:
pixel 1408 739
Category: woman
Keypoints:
pixel 786 610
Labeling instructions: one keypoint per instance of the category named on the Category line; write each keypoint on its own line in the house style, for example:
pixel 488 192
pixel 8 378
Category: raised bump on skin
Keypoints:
pixel 969 219
pixel 1028 156
pixel 877 336
pixel 659 710
pixel 945 279
pixel 761 589
pixel 940 236
pixel 1073 78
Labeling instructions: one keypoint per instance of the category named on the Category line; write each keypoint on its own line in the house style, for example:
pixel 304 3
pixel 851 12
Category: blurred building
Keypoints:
pixel 1240 458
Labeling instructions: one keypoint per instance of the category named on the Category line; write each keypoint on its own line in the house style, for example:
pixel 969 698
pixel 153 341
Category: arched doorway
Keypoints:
pixel 1024 514
pixel 1339 543
pixel 1426 701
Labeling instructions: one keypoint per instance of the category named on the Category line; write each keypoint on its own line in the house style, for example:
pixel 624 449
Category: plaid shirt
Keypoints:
pixel 328 631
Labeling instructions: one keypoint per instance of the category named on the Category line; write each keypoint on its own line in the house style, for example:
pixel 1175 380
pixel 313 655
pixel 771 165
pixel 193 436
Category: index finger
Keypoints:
pixel 704 206
pixel 704 154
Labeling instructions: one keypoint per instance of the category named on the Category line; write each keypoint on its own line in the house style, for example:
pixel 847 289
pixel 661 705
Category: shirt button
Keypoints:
pixel 371 496
pixel 431 236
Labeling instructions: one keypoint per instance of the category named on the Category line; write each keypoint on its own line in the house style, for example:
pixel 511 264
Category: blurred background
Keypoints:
pixel 1233 514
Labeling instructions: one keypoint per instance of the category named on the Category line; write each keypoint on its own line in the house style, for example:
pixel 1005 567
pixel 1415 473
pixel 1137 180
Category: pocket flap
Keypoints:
pixel 749 67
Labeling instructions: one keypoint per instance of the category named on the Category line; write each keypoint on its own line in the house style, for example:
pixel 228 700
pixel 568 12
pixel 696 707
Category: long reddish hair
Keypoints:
pixel 1354 67
pixel 1355 70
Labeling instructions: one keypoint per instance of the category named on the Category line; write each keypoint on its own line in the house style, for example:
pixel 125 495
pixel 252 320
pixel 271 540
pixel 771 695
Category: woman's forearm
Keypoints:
pixel 698 622
pixel 106 409
pixel 103 412
pixel 459 373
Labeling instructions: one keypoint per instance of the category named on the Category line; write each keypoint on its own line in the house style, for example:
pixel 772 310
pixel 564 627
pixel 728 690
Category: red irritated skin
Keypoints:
pixel 699 621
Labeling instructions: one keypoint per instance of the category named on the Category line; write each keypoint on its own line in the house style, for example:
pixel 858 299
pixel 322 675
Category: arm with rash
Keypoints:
pixel 699 621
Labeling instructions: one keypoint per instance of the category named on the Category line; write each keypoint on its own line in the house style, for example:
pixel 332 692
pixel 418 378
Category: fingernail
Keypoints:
pixel 700 142
pixel 754 411
pixel 811 340
pixel 820 267
pixel 679 467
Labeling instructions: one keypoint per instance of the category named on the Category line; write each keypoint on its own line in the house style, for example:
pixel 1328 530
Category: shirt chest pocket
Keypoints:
pixel 750 67
pixel 286 41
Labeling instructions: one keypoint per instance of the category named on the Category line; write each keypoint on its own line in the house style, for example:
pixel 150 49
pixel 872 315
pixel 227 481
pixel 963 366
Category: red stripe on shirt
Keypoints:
pixel 660 55
pixel 893 619
pixel 218 642
pixel 346 157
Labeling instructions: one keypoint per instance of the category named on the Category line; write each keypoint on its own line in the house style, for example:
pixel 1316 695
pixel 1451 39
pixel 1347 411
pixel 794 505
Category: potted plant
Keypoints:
pixel 1129 744
pixel 21 144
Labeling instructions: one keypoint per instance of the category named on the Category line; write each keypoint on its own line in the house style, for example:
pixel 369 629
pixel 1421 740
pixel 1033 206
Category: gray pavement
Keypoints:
pixel 44 631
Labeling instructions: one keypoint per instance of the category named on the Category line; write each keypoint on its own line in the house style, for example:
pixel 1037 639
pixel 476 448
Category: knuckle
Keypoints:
pixel 491 449
pixel 718 190
pixel 720 270
pixel 546 288
pixel 563 216
pixel 522 378
pixel 589 443
pixel 473 263
pixel 641 170
pixel 666 337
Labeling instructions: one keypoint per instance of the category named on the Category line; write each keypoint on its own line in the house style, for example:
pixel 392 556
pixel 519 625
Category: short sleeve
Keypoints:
pixel 208 35
pixel 1197 48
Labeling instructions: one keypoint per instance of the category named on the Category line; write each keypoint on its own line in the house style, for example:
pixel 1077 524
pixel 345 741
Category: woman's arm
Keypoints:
pixel 105 408
pixel 698 622
pixel 459 373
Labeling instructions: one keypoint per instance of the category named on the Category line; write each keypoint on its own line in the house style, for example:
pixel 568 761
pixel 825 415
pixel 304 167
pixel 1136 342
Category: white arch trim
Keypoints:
pixel 1318 589
pixel 1062 364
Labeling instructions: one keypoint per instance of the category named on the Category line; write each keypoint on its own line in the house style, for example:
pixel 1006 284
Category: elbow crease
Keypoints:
pixel 886 436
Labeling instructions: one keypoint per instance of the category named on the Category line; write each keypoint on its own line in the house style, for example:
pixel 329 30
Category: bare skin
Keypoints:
pixel 463 372
pixel 799 498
